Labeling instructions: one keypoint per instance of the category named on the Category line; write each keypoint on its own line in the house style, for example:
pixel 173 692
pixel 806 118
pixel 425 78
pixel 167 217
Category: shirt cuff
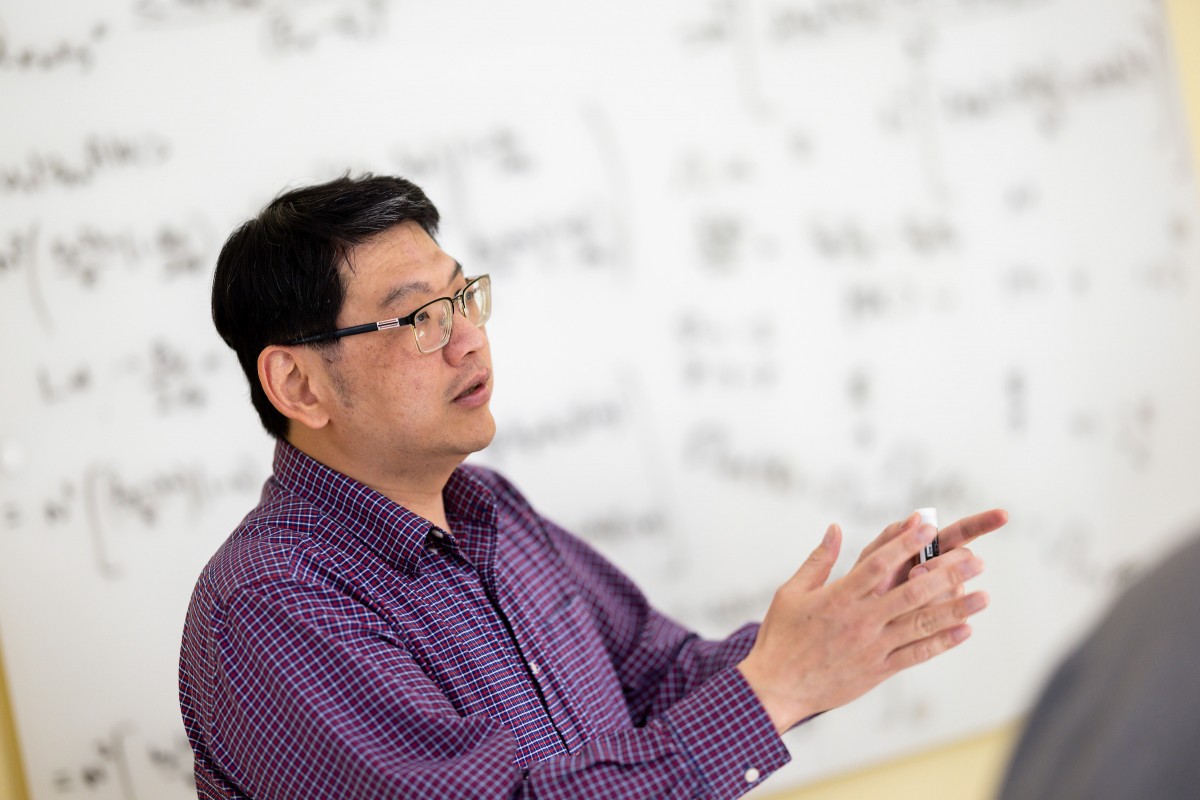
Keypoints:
pixel 726 735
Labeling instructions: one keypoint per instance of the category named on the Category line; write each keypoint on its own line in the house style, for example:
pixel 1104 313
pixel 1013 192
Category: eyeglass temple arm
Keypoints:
pixel 341 332
pixel 384 324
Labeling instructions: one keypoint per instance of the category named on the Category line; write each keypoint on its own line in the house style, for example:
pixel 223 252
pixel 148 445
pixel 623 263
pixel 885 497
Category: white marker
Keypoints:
pixel 929 517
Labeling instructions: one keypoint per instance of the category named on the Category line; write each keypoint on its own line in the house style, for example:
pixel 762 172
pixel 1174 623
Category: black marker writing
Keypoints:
pixel 78 52
pixel 98 154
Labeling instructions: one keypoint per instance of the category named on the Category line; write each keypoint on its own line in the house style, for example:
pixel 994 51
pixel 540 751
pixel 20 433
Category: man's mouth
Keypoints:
pixel 477 385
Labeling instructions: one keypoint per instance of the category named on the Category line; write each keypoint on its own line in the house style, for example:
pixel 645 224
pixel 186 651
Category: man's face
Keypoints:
pixel 397 407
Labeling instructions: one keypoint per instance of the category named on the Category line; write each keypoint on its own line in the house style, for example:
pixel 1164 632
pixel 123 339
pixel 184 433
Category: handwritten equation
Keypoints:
pixel 288 27
pixel 171 378
pixel 561 428
pixel 116 765
pixel 78 51
pixel 61 266
pixel 109 506
pixel 97 155
pixel 727 349
pixel 578 231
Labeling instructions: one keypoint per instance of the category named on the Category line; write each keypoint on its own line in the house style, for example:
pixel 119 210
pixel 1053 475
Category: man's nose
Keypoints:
pixel 465 338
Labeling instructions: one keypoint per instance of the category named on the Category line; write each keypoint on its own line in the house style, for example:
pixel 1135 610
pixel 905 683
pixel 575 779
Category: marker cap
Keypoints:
pixel 931 550
pixel 928 516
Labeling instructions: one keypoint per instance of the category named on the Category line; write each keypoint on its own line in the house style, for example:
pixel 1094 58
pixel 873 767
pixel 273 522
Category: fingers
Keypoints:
pixel 925 649
pixel 943 577
pixel 964 530
pixel 923 569
pixel 932 619
pixel 930 631
pixel 872 574
pixel 889 533
pixel 816 568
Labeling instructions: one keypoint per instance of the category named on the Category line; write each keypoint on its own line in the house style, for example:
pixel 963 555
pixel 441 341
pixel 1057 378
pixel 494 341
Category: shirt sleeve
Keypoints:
pixel 312 696
pixel 669 675
pixel 658 661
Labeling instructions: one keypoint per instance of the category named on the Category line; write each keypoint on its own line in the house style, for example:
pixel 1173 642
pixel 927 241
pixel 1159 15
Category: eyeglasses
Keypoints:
pixel 431 323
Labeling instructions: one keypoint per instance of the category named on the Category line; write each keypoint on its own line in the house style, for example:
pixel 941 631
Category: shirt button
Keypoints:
pixel 438 532
pixel 534 668
pixel 752 775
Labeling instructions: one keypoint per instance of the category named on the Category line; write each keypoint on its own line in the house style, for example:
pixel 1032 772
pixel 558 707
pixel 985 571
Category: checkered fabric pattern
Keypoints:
pixel 339 646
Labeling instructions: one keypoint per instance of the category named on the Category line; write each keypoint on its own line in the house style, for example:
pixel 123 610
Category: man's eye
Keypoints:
pixel 420 317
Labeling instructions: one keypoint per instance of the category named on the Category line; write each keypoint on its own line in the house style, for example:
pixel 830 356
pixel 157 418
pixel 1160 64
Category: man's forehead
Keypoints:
pixel 405 245
pixel 397 263
pixel 403 289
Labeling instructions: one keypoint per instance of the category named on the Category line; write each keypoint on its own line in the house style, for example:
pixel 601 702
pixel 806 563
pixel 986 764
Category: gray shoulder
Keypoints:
pixel 1120 717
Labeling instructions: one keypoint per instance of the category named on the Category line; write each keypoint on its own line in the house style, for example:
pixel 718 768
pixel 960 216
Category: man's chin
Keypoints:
pixel 484 436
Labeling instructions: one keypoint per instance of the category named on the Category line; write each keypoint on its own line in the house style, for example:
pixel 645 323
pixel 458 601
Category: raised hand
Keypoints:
pixel 951 537
pixel 822 645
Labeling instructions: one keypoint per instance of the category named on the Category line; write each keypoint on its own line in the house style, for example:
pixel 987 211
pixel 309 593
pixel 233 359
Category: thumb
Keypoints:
pixel 816 568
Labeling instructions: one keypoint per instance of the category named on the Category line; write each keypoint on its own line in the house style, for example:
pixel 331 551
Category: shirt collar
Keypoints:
pixel 390 530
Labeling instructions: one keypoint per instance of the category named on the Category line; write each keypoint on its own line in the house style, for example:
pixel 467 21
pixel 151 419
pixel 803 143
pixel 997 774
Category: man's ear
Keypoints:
pixel 292 385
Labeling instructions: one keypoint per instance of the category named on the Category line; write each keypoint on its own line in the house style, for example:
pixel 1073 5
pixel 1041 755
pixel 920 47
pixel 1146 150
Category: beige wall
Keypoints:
pixel 12 786
pixel 967 770
pixel 963 771
pixel 1185 23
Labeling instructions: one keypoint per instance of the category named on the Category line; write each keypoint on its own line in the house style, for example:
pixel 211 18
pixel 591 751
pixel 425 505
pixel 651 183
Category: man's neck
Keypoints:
pixel 419 492
pixel 426 502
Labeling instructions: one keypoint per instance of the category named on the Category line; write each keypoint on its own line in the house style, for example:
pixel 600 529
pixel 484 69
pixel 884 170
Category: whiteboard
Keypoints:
pixel 759 266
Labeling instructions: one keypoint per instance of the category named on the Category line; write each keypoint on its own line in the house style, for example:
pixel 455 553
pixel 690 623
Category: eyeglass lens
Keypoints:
pixel 432 324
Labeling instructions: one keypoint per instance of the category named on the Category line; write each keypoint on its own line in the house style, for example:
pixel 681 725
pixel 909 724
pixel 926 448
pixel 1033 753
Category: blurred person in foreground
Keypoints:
pixel 1120 718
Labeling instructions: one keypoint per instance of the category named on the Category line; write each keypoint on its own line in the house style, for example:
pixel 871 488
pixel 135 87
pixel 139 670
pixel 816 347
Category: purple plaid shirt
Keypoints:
pixel 339 646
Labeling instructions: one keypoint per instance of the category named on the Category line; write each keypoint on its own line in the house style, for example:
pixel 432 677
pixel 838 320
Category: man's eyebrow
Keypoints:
pixel 403 290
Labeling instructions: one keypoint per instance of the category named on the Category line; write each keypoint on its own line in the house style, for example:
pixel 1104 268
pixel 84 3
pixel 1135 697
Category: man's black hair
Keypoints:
pixel 279 275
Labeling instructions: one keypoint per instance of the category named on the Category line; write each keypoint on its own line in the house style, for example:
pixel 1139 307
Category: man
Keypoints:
pixel 1121 716
pixel 390 623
